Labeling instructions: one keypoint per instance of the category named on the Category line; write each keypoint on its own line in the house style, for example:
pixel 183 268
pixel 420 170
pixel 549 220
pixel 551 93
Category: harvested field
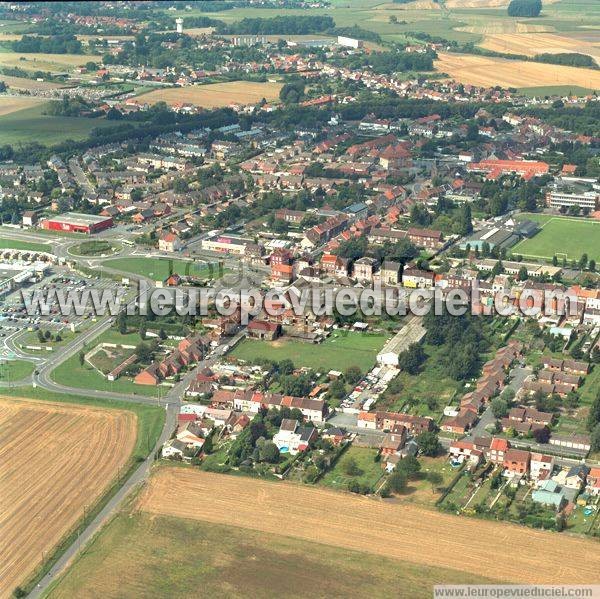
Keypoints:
pixel 55 459
pixel 405 532
pixel 10 104
pixel 504 26
pixel 215 95
pixel 486 72
pixel 28 84
pixel 530 44
pixel 46 62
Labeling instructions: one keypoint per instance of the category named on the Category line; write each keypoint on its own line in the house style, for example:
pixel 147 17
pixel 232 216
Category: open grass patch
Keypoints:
pixel 366 472
pixel 15 370
pixel 337 352
pixel 16 244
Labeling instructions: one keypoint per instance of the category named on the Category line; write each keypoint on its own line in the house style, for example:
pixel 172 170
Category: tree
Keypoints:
pixel 144 352
pixel 522 275
pixel 595 438
pixel 81 358
pixel 410 360
pixel 122 323
pixel 595 355
pixel 337 390
pixel 465 222
pixel 435 479
pixel 429 444
pixel 269 452
pixel 542 435
pixel 352 375
pixel 409 466
pixel 397 481
pixel 583 261
pixel 162 334
pixel 350 467
pixel 499 407
pixel 525 8
pixel 143 330
pixel 592 265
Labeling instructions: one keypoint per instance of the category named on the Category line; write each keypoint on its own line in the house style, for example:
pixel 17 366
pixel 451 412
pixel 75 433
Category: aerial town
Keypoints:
pixel 299 297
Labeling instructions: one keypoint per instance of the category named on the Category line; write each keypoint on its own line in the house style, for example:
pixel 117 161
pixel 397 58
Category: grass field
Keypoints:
pixel 556 90
pixel 369 472
pixel 139 555
pixel 339 351
pixel 28 84
pixel 485 71
pixel 396 529
pixel 97 247
pixel 161 268
pixel 562 235
pixel 15 370
pixel 72 374
pixel 14 244
pixel 30 125
pixel 215 95
pixel 48 478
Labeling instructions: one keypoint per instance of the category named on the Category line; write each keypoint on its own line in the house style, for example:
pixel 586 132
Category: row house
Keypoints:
pixel 426 238
pixel 417 278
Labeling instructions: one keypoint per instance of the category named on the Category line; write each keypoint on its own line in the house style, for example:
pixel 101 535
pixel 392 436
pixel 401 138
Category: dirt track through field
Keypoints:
pixel 401 531
pixel 54 460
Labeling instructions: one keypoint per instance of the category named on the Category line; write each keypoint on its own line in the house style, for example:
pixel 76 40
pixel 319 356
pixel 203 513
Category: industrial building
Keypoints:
pixel 74 222
pixel 586 200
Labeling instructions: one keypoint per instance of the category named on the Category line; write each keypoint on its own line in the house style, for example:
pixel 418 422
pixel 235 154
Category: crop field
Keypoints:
pixel 342 348
pixel 29 124
pixel 55 459
pixel 10 104
pixel 485 71
pixel 530 44
pixel 143 555
pixel 563 236
pixel 29 84
pixel 397 530
pixel 215 95
pixel 56 63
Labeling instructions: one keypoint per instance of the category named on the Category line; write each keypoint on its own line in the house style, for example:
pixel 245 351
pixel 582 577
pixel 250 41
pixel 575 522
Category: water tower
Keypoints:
pixel 179 23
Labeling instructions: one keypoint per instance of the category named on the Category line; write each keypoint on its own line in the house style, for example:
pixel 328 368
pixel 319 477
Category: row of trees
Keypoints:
pixel 55 44
pixel 525 8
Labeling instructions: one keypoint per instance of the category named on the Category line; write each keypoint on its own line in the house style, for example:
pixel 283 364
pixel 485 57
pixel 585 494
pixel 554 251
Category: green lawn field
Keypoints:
pixel 15 370
pixel 142 555
pixel 160 268
pixel 30 125
pixel 24 245
pixel 339 351
pixel 562 235
pixel 369 471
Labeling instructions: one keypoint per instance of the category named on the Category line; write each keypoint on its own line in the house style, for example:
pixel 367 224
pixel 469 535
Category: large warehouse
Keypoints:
pixel 75 222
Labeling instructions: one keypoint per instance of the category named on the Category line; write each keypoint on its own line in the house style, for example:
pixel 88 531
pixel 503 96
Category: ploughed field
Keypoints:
pixel 395 530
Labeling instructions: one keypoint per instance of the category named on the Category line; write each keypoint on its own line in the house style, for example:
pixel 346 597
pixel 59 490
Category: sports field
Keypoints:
pixel 148 556
pixel 562 236
pixel 215 95
pixel 400 531
pixel 29 124
pixel 159 269
pixel 485 71
pixel 340 350
pixel 54 460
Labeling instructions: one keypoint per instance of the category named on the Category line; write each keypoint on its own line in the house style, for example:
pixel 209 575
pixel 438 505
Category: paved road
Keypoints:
pixel 517 378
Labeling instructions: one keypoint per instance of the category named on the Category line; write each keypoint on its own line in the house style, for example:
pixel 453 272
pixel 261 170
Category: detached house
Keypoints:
pixel 169 243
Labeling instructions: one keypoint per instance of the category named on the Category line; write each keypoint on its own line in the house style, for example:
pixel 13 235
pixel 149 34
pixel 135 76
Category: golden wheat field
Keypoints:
pixel 398 530
pixel 54 460
pixel 532 43
pixel 46 62
pixel 485 72
pixel 23 83
pixel 215 95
